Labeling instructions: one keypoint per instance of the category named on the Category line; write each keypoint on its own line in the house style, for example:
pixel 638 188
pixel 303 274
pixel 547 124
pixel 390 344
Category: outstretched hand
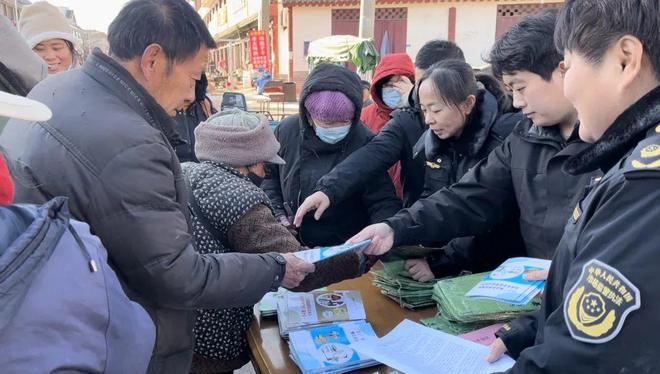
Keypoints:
pixel 381 236
pixel 296 270
pixel 318 201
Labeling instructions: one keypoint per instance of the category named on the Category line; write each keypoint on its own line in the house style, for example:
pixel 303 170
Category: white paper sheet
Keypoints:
pixel 413 348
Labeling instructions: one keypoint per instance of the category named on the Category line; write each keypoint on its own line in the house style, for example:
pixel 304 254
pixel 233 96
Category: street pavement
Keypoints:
pixel 277 110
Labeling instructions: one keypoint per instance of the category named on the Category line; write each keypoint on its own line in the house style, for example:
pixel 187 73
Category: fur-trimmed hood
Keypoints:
pixel 628 130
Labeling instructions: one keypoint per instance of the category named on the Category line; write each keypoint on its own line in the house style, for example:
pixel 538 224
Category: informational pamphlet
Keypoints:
pixel 304 309
pixel 506 283
pixel 268 304
pixel 328 349
pixel 322 253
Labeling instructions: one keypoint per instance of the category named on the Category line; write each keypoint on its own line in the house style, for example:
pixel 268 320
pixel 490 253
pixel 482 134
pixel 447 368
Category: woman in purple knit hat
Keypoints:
pixel 326 130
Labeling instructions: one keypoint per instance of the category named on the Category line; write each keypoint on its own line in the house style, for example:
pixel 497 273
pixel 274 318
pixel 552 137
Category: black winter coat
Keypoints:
pixel 523 174
pixel 602 300
pixel 108 148
pixel 447 161
pixel 308 159
pixel 393 143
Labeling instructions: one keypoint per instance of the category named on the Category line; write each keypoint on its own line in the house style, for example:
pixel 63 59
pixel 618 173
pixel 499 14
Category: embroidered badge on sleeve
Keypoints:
pixel 599 302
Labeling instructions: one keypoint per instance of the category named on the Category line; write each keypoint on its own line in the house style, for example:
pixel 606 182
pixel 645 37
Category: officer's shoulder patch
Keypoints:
pixel 599 303
pixel 644 161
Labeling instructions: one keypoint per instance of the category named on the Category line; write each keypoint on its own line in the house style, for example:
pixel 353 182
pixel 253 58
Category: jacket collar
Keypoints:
pixel 119 81
pixel 626 131
pixel 474 135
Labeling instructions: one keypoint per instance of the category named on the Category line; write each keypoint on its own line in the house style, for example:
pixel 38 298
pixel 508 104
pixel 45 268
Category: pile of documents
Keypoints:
pixel 414 349
pixel 396 283
pixel 268 304
pixel 300 310
pixel 459 314
pixel 506 283
pixel 329 348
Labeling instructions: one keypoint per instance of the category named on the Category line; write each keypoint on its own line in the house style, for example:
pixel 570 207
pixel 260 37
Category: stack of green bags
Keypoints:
pixel 396 283
pixel 459 314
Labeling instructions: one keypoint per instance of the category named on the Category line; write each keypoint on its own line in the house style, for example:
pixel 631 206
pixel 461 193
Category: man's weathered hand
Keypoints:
pixel 296 270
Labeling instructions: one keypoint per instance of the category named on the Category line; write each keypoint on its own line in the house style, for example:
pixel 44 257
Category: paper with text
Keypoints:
pixel 416 349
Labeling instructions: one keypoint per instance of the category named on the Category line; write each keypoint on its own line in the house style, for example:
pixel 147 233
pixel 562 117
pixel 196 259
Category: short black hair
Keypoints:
pixel 528 46
pixel 453 80
pixel 436 51
pixel 590 27
pixel 365 85
pixel 172 24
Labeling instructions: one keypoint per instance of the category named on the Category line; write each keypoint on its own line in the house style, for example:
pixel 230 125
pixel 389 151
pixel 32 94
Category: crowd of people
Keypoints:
pixel 141 223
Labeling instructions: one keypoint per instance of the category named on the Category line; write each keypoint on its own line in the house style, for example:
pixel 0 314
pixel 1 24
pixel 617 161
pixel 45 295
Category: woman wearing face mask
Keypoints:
pixel 326 130
pixel 468 117
pixel 391 86
pixel 49 35
pixel 231 213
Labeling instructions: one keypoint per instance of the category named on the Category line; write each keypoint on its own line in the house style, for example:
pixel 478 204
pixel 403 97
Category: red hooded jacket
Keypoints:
pixel 376 115
pixel 6 184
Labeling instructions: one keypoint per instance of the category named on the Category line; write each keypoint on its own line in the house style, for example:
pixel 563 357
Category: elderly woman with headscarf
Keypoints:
pixel 231 213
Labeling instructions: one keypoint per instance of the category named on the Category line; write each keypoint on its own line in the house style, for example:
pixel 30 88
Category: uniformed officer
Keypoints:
pixel 601 308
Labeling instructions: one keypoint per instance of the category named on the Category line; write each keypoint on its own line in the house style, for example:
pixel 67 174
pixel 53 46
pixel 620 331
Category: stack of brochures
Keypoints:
pixel 268 304
pixel 300 310
pixel 506 283
pixel 459 314
pixel 396 283
pixel 328 349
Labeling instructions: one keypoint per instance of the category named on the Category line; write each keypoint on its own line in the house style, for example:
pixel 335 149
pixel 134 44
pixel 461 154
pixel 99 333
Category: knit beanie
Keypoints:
pixel 236 138
pixel 42 21
pixel 330 106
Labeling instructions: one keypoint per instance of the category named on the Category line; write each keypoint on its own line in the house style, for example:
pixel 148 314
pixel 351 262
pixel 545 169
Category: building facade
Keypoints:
pixel 230 22
pixel 400 26
pixel 12 9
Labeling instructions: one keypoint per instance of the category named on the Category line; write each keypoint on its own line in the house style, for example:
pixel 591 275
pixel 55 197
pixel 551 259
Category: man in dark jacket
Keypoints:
pixel 524 174
pixel 325 132
pixel 601 304
pixel 393 143
pixel 108 147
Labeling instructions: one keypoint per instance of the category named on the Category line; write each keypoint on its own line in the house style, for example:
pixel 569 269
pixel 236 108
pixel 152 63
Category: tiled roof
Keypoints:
pixel 378 2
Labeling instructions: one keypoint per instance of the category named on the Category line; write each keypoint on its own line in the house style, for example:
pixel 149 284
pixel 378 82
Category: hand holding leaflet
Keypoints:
pixel 319 254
